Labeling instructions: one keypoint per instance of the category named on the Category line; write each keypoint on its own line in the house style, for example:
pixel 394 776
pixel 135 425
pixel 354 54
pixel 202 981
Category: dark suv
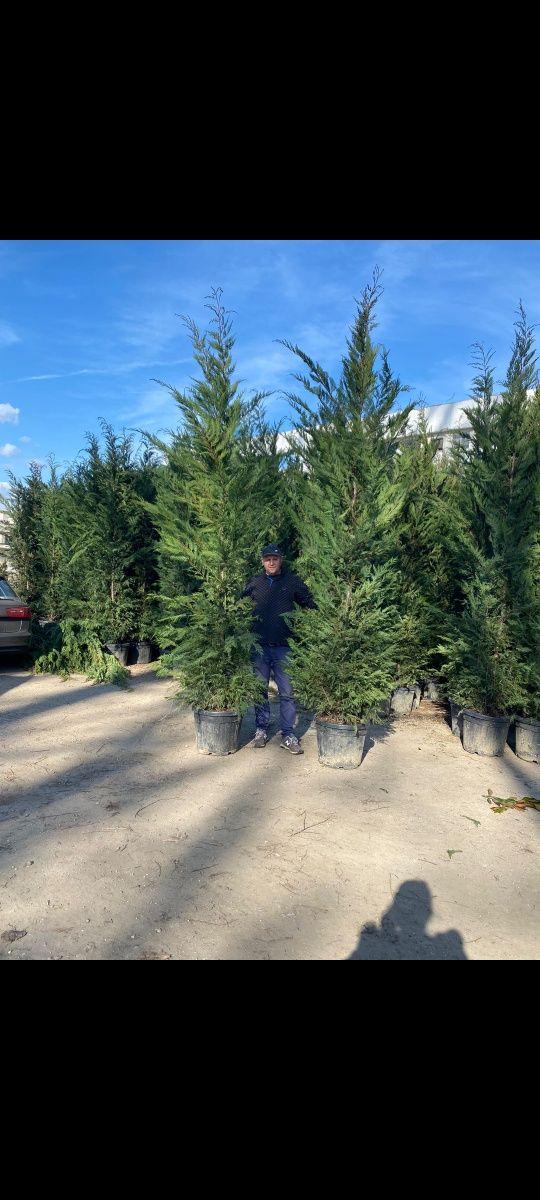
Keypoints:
pixel 15 620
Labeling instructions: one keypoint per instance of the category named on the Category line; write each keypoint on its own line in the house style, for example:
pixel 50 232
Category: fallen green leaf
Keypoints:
pixel 451 852
pixel 470 819
pixel 501 804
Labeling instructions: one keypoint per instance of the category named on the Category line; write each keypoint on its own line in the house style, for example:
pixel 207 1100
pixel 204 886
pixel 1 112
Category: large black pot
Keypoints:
pixel 402 701
pixel 217 732
pixel 456 713
pixel 340 745
pixel 433 688
pixel 120 651
pixel 484 735
pixel 143 652
pixel 528 739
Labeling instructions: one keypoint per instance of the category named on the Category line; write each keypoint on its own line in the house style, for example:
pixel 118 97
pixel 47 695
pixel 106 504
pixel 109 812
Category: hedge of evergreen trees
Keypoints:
pixel 417 563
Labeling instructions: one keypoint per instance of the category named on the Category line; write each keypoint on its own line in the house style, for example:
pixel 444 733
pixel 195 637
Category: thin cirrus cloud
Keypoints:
pixel 155 403
pixel 116 369
pixel 8 337
pixel 25 439
pixel 151 330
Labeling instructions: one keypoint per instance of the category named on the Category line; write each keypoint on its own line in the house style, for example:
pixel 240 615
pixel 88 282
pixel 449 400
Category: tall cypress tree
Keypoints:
pixel 25 507
pixel 344 655
pixel 215 506
pixel 112 538
pixel 493 646
pixel 430 532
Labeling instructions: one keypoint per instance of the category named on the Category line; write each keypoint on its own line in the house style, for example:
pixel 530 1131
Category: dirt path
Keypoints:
pixel 119 841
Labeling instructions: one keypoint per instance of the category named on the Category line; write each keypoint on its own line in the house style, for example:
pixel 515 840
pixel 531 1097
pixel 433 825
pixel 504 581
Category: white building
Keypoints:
pixel 447 423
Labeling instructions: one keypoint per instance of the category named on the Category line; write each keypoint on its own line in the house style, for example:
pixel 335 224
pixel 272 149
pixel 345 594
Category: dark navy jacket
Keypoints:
pixel 271 599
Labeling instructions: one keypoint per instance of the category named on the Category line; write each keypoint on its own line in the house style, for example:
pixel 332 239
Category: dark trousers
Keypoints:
pixel 273 658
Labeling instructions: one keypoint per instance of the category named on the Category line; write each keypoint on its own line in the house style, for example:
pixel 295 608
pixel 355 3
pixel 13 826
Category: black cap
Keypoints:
pixel 271 549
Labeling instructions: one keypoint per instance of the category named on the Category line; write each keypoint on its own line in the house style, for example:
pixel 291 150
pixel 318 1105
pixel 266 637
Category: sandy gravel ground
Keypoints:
pixel 118 840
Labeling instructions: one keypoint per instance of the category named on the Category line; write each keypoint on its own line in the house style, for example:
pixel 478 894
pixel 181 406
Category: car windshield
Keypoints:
pixel 6 593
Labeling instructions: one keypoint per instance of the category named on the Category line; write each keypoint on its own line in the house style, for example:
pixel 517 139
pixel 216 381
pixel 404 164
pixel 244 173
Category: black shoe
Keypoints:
pixel 290 742
pixel 260 739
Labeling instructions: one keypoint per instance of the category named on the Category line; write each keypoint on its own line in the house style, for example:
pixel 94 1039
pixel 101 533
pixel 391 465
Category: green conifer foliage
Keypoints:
pixel 215 506
pixel 492 647
pixel 344 655
pixel 112 552
pixel 482 662
pixel 72 647
pixel 25 507
pixel 430 535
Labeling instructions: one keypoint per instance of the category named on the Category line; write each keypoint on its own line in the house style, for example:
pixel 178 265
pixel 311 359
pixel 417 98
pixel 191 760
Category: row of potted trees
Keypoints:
pixel 217 503
pixel 84 547
pixel 413 566
pixel 490 654
pixel 471 537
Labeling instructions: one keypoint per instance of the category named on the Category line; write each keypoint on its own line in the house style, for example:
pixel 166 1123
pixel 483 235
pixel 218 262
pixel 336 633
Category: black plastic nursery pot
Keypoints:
pixel 456 711
pixel 340 746
pixel 484 735
pixel 218 732
pixel 528 739
pixel 143 652
pixel 120 651
pixel 433 688
pixel 402 701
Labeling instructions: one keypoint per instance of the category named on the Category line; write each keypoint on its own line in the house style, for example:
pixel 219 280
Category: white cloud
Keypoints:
pixel 25 439
pixel 5 487
pixel 9 414
pixel 8 337
pixel 8 450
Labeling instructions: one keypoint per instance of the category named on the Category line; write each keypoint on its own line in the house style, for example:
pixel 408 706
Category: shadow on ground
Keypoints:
pixel 402 932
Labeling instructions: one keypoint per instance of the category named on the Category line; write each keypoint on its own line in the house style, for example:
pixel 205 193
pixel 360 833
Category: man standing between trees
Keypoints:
pixel 273 593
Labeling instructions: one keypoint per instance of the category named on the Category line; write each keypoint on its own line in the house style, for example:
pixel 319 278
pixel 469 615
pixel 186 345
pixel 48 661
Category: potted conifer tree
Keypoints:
pixel 116 621
pixel 412 652
pixel 342 660
pixel 145 629
pixel 494 663
pixel 111 557
pixel 483 666
pixel 428 529
pixel 214 503
pixel 344 652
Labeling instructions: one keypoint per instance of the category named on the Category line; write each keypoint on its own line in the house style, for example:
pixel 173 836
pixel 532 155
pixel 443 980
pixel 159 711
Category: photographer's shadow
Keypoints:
pixel 402 931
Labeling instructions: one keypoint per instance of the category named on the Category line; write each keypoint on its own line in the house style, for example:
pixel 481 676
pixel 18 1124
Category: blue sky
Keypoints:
pixel 85 326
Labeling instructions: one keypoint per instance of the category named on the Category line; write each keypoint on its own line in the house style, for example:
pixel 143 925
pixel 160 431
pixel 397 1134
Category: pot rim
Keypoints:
pixel 218 712
pixel 478 716
pixel 341 724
